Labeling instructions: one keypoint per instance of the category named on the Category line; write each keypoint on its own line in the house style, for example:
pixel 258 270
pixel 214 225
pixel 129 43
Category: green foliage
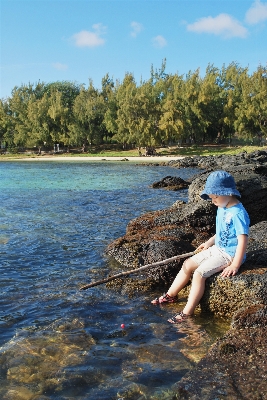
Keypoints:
pixel 89 110
pixel 165 109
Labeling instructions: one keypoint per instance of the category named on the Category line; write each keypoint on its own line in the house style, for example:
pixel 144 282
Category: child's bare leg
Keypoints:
pixel 183 277
pixel 196 292
pixel 179 282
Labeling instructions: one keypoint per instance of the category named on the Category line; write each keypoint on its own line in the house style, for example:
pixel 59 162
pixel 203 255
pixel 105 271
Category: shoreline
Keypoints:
pixel 93 159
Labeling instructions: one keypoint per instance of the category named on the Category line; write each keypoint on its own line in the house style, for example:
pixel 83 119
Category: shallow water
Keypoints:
pixel 56 220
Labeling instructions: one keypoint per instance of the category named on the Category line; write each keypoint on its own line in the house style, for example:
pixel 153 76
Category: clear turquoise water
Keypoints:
pixel 56 220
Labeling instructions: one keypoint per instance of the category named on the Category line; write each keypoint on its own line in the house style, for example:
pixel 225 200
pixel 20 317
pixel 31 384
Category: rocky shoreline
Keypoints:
pixel 236 365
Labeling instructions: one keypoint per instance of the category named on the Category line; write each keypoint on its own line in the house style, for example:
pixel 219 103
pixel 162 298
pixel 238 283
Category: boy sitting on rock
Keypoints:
pixel 225 251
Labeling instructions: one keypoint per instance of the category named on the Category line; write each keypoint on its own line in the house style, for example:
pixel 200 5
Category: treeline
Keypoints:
pixel 167 108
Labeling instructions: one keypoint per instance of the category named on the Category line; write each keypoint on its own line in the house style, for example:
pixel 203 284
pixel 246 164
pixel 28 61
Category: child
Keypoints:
pixel 225 251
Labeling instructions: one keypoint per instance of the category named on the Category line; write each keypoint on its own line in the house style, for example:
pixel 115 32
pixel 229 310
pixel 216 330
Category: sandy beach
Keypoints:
pixel 93 159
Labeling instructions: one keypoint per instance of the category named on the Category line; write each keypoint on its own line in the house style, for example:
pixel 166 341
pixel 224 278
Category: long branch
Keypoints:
pixel 134 271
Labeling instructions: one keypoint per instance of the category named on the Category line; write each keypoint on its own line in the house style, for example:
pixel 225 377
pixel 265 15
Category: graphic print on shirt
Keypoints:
pixel 227 220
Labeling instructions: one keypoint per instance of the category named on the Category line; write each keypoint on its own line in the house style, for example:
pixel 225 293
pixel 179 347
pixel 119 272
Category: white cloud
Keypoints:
pixel 59 66
pixel 136 28
pixel 90 39
pixel 159 41
pixel 223 25
pixel 256 13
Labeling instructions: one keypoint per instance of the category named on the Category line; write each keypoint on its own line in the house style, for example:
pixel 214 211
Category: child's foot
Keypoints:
pixel 180 317
pixel 165 298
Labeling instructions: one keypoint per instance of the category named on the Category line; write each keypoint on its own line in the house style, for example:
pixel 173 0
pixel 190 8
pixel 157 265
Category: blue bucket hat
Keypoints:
pixel 220 183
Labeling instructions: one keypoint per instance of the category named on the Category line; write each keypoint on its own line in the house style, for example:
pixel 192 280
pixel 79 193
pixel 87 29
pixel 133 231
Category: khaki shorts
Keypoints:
pixel 211 261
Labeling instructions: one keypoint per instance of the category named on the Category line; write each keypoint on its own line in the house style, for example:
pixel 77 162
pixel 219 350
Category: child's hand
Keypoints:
pixel 233 268
pixel 228 271
pixel 201 247
pixel 207 244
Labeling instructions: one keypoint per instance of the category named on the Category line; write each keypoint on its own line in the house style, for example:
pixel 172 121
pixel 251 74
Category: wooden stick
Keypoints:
pixel 134 271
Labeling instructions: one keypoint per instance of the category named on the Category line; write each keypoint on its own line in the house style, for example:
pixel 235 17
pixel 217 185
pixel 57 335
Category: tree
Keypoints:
pixel 251 113
pixel 165 108
pixel 194 124
pixel 126 110
pixel 6 124
pixel 18 104
pixel 109 94
pixel 69 91
pixel 231 83
pixel 47 120
pixel 171 122
pixel 61 98
pixel 211 105
pixel 41 113
pixel 88 110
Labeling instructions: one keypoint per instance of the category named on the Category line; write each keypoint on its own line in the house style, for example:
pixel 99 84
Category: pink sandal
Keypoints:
pixel 165 298
pixel 180 317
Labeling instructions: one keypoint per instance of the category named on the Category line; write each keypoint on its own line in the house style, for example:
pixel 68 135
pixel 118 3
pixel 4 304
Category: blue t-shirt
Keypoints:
pixel 231 222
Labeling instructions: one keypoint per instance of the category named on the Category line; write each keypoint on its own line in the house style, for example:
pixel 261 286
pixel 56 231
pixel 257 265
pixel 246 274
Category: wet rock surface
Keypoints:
pixel 171 183
pixel 235 367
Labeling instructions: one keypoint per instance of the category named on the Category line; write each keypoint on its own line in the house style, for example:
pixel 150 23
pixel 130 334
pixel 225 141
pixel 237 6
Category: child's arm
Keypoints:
pixel 207 244
pixel 238 258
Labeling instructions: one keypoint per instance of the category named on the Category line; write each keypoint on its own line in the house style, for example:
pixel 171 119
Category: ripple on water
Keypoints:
pixel 56 220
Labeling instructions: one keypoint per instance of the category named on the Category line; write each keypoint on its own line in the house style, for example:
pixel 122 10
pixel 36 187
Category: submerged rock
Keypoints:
pixel 43 362
pixel 235 367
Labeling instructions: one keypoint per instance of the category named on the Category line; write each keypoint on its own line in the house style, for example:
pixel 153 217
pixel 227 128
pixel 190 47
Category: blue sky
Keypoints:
pixel 78 40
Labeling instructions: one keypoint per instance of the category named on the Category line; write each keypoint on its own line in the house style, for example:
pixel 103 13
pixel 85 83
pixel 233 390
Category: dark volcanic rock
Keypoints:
pixel 163 234
pixel 171 183
pixel 258 157
pixel 251 181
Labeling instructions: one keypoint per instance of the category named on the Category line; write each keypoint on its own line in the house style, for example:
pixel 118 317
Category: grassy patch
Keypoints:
pixel 209 150
pixel 187 151
pixel 181 151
